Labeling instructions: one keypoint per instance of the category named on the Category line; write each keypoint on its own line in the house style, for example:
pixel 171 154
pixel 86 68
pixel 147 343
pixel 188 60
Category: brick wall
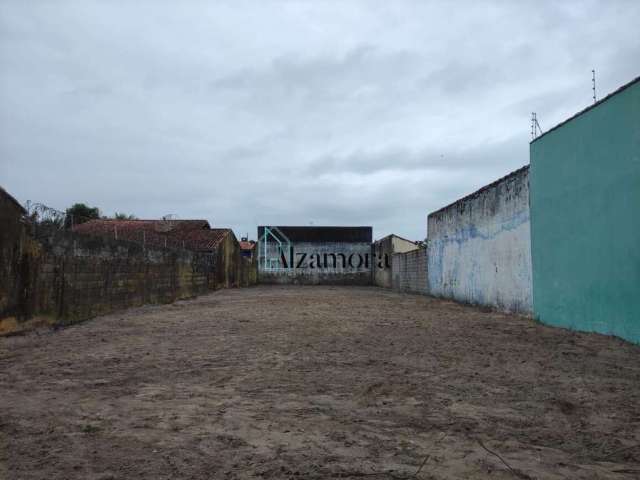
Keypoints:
pixel 409 271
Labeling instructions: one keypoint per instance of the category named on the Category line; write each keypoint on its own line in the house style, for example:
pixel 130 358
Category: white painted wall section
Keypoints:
pixel 479 248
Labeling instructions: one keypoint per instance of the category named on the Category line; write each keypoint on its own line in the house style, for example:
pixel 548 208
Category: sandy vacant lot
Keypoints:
pixel 317 382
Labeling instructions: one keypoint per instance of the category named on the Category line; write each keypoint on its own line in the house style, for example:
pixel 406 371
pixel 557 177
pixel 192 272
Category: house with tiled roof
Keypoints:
pixel 195 235
pixel 247 247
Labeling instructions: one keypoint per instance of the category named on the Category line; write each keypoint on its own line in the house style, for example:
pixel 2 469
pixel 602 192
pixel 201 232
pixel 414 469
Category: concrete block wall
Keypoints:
pixel 409 271
pixel 232 269
pixel 479 248
pixel 383 251
pixel 66 277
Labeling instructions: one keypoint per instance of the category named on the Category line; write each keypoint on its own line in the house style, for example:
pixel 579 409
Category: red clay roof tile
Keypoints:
pixel 192 234
pixel 247 245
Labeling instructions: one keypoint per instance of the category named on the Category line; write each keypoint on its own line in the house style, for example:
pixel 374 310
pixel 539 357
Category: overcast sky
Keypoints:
pixel 331 113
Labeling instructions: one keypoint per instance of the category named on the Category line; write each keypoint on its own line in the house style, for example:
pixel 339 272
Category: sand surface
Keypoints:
pixel 317 382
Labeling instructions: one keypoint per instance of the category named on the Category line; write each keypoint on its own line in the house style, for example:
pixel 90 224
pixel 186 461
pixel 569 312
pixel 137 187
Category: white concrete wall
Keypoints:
pixel 479 248
pixel 400 245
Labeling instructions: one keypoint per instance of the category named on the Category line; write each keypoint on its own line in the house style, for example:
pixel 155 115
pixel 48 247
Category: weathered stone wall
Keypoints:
pixel 409 271
pixel 479 248
pixel 248 272
pixel 383 251
pixel 15 245
pixel 66 277
pixel 233 270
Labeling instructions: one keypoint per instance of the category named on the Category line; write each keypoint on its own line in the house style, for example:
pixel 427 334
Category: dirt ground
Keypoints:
pixel 317 382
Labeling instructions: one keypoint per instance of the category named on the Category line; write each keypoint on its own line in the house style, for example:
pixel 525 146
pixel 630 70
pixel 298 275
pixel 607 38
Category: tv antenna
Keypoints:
pixel 535 126
pixel 593 84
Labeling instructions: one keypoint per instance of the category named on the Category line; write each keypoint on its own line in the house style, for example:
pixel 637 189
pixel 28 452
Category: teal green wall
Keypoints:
pixel 585 219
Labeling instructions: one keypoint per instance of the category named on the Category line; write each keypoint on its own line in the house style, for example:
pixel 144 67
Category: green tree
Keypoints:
pixel 79 213
pixel 124 216
pixel 422 243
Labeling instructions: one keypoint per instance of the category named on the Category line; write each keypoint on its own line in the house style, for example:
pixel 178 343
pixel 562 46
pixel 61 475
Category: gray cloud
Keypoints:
pixel 399 159
pixel 291 112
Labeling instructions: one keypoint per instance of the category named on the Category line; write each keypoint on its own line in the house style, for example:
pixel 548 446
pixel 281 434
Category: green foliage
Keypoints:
pixel 422 243
pixel 53 222
pixel 79 213
pixel 124 216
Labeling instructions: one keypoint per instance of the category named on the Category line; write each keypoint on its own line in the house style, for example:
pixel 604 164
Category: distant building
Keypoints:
pixel 314 255
pixel 383 250
pixel 247 247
